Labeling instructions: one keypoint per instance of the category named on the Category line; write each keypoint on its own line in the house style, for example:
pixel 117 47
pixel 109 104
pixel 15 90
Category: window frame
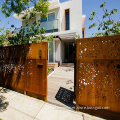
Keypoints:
pixel 68 9
pixel 48 14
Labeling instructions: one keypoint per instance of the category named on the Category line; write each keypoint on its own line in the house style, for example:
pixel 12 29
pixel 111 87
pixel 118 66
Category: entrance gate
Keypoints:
pixel 98 73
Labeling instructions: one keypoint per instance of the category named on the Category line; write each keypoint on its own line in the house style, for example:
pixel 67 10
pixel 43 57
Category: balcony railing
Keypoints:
pixel 50 26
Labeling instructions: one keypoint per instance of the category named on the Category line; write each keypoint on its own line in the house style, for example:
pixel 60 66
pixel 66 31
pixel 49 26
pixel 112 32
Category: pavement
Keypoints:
pixel 16 106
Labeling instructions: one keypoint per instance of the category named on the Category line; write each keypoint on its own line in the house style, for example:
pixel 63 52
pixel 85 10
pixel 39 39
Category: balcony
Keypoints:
pixel 50 26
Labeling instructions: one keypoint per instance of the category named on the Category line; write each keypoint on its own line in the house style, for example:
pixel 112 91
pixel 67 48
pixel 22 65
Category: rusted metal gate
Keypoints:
pixel 24 68
pixel 98 73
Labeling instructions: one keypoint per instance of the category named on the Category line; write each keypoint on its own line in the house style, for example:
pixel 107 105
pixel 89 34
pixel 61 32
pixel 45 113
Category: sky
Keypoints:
pixel 88 6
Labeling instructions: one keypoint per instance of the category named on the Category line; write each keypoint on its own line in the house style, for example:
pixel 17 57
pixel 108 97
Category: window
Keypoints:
pixel 51 52
pixel 67 24
pixel 82 33
pixel 50 16
pixel 43 20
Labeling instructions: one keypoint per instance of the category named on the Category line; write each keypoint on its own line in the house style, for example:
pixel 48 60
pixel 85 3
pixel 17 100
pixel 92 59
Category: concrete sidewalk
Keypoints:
pixel 16 106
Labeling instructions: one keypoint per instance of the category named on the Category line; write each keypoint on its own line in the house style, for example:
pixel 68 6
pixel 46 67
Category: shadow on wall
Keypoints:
pixel 3 104
pixel 12 59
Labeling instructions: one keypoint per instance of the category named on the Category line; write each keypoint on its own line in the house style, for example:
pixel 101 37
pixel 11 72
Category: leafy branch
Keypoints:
pixel 34 33
pixel 107 25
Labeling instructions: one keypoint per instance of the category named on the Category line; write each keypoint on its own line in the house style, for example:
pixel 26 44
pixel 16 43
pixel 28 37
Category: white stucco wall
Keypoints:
pixel 75 7
pixel 37 17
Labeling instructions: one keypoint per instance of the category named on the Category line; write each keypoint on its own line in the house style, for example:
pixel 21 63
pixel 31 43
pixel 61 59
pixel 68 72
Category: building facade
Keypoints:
pixel 64 20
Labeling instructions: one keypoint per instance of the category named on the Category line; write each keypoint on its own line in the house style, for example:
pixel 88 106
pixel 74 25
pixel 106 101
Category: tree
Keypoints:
pixel 35 34
pixel 17 6
pixel 107 24
pixel 5 33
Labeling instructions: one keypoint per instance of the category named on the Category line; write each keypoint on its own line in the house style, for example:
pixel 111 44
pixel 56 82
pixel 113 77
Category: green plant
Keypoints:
pixel 5 33
pixel 107 25
pixel 77 36
pixel 17 6
pixel 83 116
pixel 49 69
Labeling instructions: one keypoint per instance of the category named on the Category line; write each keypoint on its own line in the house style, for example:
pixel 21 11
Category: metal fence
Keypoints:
pixel 24 68
pixel 98 73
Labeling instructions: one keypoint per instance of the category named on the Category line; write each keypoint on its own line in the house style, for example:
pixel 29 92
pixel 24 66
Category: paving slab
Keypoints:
pixel 64 72
pixel 8 94
pixel 52 112
pixel 13 114
pixel 26 105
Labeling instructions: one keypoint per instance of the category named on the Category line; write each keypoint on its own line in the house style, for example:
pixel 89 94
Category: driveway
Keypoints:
pixel 61 79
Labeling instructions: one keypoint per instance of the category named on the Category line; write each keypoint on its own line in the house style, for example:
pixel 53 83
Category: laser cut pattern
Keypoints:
pixel 98 72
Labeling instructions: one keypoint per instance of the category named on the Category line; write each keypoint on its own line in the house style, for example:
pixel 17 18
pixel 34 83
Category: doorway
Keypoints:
pixel 69 53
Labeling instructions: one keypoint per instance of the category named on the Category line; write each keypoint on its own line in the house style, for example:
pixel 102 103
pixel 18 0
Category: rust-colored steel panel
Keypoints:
pixel 98 72
pixel 36 77
pixel 24 67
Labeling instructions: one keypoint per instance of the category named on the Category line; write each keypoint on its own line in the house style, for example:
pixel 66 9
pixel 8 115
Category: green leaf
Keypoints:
pixel 93 25
pixel 106 33
pixel 12 25
pixel 93 13
pixel 113 11
pixel 90 18
pixel 90 26
pixel 103 5
pixel 104 16
pixel 8 21
pixel 106 10
pixel 99 28
pixel 103 28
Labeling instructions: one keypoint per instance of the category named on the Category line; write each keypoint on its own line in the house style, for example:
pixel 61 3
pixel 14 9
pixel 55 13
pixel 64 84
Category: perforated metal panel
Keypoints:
pixel 98 72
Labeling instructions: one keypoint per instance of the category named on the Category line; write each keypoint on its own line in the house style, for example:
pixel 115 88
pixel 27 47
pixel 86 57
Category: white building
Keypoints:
pixel 68 21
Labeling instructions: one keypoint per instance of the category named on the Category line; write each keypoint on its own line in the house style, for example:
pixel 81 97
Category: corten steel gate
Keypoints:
pixel 24 68
pixel 98 73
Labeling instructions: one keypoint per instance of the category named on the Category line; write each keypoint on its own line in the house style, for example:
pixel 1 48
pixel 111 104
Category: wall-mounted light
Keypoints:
pixel 40 53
